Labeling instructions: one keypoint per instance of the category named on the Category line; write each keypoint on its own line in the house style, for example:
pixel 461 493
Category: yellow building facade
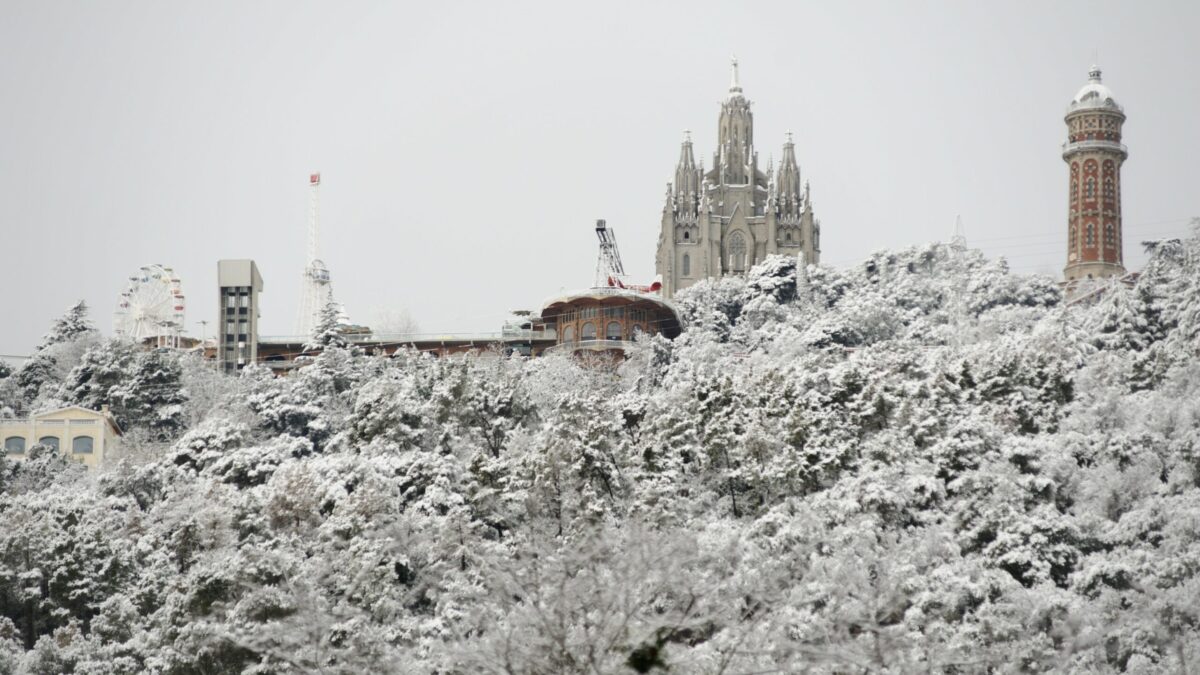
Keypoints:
pixel 79 434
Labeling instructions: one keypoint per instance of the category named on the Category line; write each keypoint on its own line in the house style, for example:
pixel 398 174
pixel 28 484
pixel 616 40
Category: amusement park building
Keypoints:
pixel 237 322
pixel 607 319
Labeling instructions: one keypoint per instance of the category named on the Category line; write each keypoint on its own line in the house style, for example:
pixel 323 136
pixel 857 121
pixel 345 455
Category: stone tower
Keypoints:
pixel 725 220
pixel 1094 153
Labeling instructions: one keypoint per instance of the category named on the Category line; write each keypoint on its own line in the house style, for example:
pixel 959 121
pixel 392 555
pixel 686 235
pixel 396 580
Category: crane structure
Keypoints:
pixel 609 269
pixel 315 291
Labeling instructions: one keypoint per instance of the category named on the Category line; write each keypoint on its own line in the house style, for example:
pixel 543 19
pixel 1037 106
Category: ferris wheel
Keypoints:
pixel 151 306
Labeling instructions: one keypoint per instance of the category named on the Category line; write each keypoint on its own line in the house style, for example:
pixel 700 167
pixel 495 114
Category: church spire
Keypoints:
pixel 734 162
pixel 735 85
pixel 787 181
pixel 687 176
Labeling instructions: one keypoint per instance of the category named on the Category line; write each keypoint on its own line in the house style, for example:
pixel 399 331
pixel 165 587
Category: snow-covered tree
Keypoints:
pixel 70 326
pixel 921 463
pixel 327 331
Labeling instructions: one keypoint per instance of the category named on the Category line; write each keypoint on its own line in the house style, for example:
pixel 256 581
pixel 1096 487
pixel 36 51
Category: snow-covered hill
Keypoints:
pixel 922 463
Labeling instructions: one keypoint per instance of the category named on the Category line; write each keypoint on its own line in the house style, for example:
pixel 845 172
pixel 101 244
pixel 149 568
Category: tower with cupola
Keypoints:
pixel 1094 155
pixel 724 220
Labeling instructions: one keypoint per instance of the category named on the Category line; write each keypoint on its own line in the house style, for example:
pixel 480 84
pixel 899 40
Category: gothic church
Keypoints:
pixel 727 219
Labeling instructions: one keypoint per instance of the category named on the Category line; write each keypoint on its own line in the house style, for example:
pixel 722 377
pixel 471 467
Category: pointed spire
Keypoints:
pixel 735 85
pixel 686 160
pixel 788 179
pixel 687 177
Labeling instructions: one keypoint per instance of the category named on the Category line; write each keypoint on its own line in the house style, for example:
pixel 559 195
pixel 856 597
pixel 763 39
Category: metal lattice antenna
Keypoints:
pixel 315 290
pixel 959 238
pixel 314 203
pixel 609 270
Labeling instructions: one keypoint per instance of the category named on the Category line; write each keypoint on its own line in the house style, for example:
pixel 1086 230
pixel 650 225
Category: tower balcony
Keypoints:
pixel 1070 148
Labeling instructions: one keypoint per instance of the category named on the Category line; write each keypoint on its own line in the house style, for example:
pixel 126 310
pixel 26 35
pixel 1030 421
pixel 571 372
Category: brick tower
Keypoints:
pixel 1094 153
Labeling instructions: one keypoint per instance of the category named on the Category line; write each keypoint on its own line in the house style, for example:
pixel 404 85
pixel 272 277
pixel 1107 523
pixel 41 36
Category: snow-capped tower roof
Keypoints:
pixel 1094 94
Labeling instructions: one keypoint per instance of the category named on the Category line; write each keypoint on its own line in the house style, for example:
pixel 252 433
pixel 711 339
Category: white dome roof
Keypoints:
pixel 1094 94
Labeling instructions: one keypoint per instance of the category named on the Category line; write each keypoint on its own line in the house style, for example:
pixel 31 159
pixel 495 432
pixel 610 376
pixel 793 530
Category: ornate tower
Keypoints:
pixel 1094 153
pixel 725 220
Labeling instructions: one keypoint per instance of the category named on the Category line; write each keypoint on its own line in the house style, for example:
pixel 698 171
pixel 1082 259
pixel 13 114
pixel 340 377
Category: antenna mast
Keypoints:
pixel 315 291
pixel 609 270
pixel 959 239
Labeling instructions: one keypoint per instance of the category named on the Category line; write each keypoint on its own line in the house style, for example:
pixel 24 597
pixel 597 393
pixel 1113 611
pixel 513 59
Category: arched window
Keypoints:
pixel 49 441
pixel 14 445
pixel 1091 188
pixel 613 330
pixel 1074 239
pixel 588 332
pixel 787 236
pixel 1091 234
pixel 81 445
pixel 687 265
pixel 687 235
pixel 737 252
pixel 568 334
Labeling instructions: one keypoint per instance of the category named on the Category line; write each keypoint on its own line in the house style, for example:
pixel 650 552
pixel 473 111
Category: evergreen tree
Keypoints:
pixel 69 326
pixel 327 331
pixel 143 389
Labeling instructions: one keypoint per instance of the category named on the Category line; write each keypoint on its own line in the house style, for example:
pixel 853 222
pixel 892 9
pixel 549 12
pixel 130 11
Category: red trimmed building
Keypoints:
pixel 1094 153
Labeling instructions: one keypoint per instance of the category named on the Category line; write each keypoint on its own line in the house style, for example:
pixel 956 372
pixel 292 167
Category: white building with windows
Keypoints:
pixel 82 435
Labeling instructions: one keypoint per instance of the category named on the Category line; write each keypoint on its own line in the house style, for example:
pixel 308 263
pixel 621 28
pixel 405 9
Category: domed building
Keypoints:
pixel 1094 153
pixel 607 319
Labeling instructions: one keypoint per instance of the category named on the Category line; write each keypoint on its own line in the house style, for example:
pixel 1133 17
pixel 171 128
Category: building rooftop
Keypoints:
pixel 1094 94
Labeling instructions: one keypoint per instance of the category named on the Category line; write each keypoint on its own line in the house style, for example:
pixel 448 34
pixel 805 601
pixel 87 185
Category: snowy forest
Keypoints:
pixel 921 463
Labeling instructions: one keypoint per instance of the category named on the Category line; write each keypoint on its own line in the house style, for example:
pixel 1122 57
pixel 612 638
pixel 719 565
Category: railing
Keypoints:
pixel 1080 146
pixel 1093 104
pixel 404 338
pixel 25 421
pixel 591 345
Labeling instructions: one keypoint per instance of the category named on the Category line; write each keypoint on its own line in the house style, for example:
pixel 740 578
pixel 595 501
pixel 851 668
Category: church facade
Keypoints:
pixel 722 221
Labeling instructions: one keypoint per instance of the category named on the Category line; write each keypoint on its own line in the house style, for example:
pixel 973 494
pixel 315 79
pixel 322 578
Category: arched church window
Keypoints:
pixel 568 334
pixel 787 236
pixel 1091 188
pixel 737 252
pixel 686 235
pixel 1091 234
pixel 687 265
pixel 613 331
pixel 1073 237
pixel 588 332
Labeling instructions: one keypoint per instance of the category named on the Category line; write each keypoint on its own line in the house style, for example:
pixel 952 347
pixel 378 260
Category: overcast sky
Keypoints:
pixel 467 148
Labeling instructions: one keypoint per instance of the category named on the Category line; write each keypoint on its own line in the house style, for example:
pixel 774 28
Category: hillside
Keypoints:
pixel 921 463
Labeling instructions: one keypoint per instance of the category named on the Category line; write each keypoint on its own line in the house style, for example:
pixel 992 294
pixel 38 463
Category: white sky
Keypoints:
pixel 467 148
